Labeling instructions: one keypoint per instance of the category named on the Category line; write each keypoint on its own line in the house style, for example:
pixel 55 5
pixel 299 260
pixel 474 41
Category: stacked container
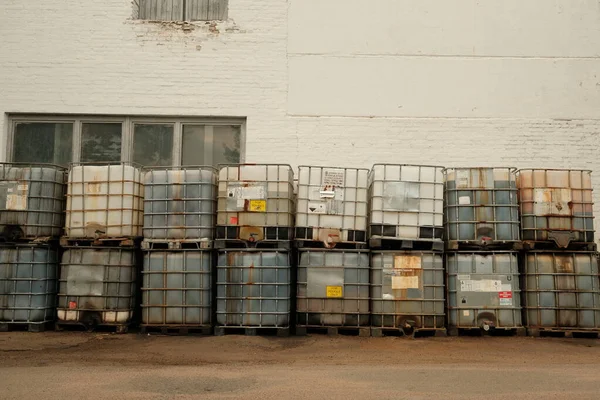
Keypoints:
pixel 560 266
pixel 255 206
pixel 179 222
pixel 99 268
pixel 405 236
pixel 31 220
pixel 482 233
pixel 333 264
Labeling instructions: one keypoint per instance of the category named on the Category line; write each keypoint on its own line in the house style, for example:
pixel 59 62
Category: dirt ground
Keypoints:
pixel 65 365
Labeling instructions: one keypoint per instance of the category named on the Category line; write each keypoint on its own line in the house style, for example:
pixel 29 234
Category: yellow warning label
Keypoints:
pixel 258 206
pixel 334 291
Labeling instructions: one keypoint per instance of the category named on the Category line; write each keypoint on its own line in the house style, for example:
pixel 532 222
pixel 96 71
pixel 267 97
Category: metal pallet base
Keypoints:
pixel 550 245
pixel 26 326
pixel 257 331
pixel 333 331
pixel 78 326
pixel 401 244
pixel 178 330
pixel 417 332
pixel 564 333
pixel 476 331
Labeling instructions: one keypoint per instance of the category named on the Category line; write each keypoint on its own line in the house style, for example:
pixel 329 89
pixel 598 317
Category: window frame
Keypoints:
pixel 127 130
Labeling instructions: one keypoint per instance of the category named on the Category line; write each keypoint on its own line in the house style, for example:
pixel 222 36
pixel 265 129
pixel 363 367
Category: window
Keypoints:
pixel 148 141
pixel 43 142
pixel 182 10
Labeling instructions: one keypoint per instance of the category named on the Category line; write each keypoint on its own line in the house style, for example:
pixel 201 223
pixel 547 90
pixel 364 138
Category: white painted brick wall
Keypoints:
pixel 341 82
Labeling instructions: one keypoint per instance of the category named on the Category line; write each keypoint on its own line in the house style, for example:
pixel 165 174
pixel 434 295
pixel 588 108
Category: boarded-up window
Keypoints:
pixel 183 10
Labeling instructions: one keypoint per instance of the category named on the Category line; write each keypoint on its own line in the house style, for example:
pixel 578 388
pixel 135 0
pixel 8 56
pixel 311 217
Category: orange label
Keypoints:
pixel 72 305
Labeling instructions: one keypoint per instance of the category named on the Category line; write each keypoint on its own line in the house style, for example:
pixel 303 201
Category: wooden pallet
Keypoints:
pixel 176 330
pixel 564 332
pixel 416 333
pixel 46 240
pixel 255 331
pixel 99 242
pixel 476 331
pixel 455 245
pixel 26 326
pixel 78 326
pixel 401 244
pixel 333 331
pixel 183 244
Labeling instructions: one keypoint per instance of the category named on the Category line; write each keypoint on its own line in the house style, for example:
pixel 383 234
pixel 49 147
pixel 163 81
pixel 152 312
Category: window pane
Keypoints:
pixel 43 142
pixel 101 142
pixel 211 145
pixel 153 144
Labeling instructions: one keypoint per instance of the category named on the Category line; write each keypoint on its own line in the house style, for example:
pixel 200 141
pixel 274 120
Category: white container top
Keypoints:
pixel 406 202
pixel 104 201
pixel 332 202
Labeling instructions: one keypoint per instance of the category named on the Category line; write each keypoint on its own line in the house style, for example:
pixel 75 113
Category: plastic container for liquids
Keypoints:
pixel 254 288
pixel 97 286
pixel 180 204
pixel 556 206
pixel 483 291
pixel 333 288
pixel 177 288
pixel 407 291
pixel 406 205
pixel 332 205
pixel 28 284
pixel 32 201
pixel 104 201
pixel 255 203
pixel 481 207
pixel 562 290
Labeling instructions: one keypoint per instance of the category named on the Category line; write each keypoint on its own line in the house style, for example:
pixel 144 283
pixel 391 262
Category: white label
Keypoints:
pixel 466 313
pixel 506 302
pixel 240 202
pixel 16 202
pixel 333 178
pixel 317 207
pixel 23 187
pixel 327 194
pixel 251 192
pixel 464 200
pixel 388 266
pixel 484 285
pixel 405 282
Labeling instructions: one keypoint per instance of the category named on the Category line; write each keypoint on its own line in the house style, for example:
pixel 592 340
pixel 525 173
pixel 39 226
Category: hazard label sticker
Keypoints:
pixel 257 206
pixel 505 298
pixel 334 291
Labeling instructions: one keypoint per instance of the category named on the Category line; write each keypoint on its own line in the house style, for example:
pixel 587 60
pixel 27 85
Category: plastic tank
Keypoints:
pixel 32 201
pixel 562 290
pixel 176 288
pixel 28 283
pixel 180 203
pixel 483 290
pixel 407 202
pixel 104 201
pixel 556 205
pixel 254 288
pixel 97 286
pixel 333 288
pixel 481 205
pixel 332 205
pixel 255 203
pixel 407 290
